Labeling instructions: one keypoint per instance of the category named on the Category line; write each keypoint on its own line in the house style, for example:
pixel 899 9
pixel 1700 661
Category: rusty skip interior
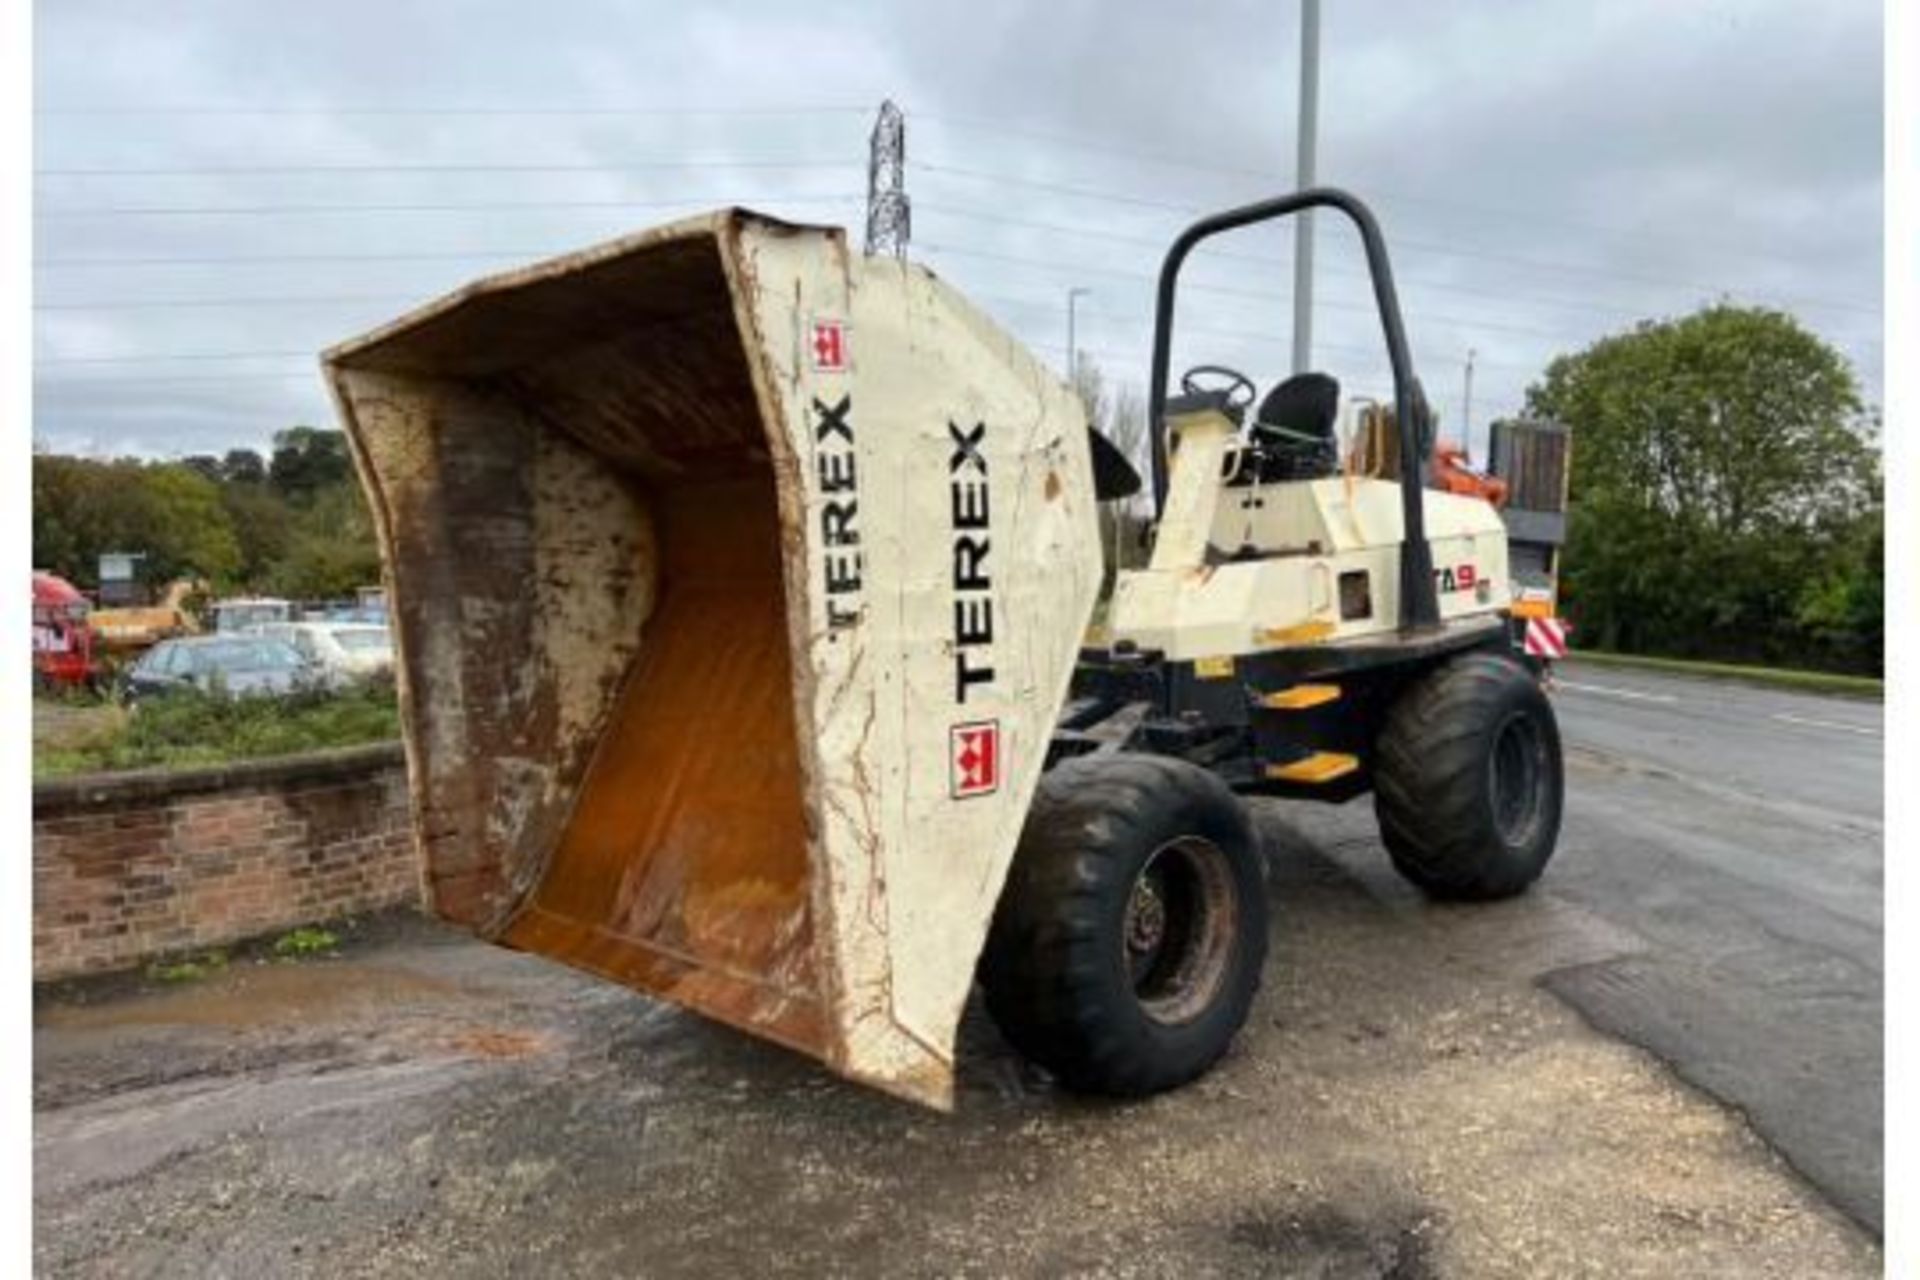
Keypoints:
pixel 577 500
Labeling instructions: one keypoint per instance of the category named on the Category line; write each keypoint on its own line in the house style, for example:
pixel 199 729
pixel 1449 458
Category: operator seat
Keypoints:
pixel 1293 430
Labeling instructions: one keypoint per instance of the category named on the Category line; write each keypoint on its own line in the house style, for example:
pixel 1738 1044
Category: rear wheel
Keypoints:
pixel 1467 780
pixel 1128 942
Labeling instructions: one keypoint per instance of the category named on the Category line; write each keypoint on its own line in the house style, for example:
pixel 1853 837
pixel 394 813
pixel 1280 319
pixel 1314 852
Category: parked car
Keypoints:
pixel 375 615
pixel 347 649
pixel 250 613
pixel 236 664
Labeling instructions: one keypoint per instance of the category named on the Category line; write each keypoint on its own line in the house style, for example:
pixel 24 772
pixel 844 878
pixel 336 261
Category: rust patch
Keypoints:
pixel 1302 633
pixel 1053 486
pixel 262 995
pixel 494 1042
pixel 683 871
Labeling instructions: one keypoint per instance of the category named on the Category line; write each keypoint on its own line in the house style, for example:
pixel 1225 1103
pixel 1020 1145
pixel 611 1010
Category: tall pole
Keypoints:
pixel 1073 353
pixel 1466 408
pixel 1304 154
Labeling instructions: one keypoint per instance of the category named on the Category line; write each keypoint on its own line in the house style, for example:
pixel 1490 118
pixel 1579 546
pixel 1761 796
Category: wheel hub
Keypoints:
pixel 1146 918
pixel 1515 779
pixel 1178 933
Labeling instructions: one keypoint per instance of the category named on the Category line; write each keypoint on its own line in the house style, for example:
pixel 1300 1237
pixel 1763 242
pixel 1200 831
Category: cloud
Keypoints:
pixel 1546 173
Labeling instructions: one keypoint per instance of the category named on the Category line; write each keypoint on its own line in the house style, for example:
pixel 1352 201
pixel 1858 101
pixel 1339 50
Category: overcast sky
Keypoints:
pixel 224 188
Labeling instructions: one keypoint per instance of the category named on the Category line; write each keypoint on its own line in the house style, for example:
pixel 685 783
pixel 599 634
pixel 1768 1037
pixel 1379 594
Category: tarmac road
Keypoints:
pixel 1407 1100
pixel 1738 831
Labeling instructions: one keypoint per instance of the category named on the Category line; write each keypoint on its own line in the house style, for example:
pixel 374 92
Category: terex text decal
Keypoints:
pixel 972 576
pixel 839 510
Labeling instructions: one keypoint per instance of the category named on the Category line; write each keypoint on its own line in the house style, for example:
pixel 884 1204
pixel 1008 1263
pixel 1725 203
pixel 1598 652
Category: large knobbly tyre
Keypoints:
pixel 1128 942
pixel 1467 779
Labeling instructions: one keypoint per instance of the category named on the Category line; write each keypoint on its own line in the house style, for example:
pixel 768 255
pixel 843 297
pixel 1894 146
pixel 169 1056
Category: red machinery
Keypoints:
pixel 62 638
pixel 1452 475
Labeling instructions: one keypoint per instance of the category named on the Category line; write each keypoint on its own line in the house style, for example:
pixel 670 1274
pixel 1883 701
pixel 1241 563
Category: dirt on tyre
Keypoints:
pixel 1467 779
pixel 1128 942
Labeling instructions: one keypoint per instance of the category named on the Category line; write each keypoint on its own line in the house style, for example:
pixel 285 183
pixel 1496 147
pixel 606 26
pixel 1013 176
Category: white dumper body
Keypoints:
pixel 738 581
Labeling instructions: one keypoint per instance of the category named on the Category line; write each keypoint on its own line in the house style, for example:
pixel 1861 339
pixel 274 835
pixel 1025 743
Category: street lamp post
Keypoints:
pixel 1304 154
pixel 1073 355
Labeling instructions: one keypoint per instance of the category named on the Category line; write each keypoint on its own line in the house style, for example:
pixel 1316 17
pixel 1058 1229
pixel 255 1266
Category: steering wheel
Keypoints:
pixel 1238 384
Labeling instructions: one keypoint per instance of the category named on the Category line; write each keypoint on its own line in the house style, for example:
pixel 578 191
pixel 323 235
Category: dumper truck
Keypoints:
pixel 741 586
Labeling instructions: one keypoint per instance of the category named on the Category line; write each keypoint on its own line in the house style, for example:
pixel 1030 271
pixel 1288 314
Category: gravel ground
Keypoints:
pixel 1406 1102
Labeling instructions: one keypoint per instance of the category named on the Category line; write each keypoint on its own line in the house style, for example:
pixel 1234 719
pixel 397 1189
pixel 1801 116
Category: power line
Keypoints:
pixel 1117 197
pixel 155 304
pixel 1617 310
pixel 336 170
pixel 1060 188
pixel 1081 143
pixel 185 355
pixel 240 259
pixel 1501 295
pixel 312 375
pixel 1205 331
pixel 537 206
pixel 1034 304
pixel 321 109
pixel 1070 141
pixel 1228 291
pixel 1118 358
pixel 847 198
pixel 1465 322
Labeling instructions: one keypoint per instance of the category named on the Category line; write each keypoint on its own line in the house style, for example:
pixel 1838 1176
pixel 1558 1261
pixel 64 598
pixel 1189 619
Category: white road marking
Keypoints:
pixel 1860 729
pixel 1607 691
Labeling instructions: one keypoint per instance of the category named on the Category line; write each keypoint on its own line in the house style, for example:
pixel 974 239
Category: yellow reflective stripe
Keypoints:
pixel 1301 696
pixel 1321 766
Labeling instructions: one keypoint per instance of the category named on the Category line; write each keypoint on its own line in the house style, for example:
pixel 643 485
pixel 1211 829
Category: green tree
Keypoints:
pixel 243 466
pixel 330 548
pixel 205 464
pixel 168 513
pixel 181 524
pixel 1723 465
pixel 308 460
pixel 263 525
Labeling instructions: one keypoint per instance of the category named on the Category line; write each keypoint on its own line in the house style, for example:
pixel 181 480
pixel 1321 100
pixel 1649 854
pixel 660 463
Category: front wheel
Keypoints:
pixel 1127 945
pixel 1467 780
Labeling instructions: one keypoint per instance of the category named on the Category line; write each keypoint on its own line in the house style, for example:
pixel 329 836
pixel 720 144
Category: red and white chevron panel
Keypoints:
pixel 1547 637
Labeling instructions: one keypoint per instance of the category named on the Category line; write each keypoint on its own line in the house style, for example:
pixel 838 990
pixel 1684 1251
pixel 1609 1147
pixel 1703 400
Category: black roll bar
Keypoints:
pixel 1419 603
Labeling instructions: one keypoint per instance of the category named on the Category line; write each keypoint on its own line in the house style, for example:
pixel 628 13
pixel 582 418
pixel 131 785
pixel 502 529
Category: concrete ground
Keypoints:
pixel 1409 1099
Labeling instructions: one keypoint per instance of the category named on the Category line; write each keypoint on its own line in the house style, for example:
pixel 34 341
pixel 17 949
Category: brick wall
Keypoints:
pixel 133 865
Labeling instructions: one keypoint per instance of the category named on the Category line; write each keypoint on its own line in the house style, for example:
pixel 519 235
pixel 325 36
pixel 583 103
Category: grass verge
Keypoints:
pixel 185 730
pixel 1779 677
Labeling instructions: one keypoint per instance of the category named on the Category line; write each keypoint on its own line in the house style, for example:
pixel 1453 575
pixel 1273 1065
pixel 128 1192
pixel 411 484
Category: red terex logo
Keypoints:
pixel 829 345
pixel 976 759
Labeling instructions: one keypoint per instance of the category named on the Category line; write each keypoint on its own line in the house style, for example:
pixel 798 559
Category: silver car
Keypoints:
pixel 240 665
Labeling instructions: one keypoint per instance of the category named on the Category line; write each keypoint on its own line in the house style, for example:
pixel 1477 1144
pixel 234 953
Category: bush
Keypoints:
pixel 307 940
pixel 187 729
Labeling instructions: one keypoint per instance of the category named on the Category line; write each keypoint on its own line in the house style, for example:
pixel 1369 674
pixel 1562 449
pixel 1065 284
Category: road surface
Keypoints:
pixel 1606 1077
pixel 1738 831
